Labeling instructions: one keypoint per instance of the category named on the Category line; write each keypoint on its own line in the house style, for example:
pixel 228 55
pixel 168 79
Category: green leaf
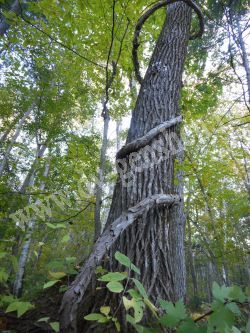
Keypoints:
pixel 136 305
pixel 236 293
pixel 115 287
pixel 105 310
pixel 248 326
pixel 50 225
pixel 221 319
pixel 124 260
pixel 20 307
pixel 175 313
pixel 57 275
pixel 135 269
pixel 117 324
pixel 138 328
pixel 188 326
pixel 140 288
pixel 45 319
pixel 3 276
pixel 65 239
pixel 151 306
pixel 134 293
pixel 234 308
pixel 55 326
pixel 95 317
pixel 50 284
pixel 115 276
pixel 220 293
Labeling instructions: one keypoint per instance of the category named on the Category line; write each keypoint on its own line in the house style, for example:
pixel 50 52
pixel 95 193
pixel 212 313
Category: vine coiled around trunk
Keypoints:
pixel 144 18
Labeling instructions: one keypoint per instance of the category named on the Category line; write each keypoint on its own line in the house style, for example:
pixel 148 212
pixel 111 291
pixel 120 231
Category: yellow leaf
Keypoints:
pixel 105 310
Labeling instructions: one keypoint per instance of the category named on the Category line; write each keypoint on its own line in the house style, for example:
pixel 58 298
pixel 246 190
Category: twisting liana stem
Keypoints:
pixel 105 114
pixel 144 18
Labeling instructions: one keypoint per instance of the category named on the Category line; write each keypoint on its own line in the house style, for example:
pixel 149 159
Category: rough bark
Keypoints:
pixel 18 284
pixel 153 239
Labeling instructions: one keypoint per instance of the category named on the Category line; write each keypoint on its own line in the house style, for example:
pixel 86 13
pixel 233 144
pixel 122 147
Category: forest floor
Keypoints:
pixel 46 305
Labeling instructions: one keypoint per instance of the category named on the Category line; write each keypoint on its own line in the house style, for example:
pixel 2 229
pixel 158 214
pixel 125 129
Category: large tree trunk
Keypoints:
pixel 146 220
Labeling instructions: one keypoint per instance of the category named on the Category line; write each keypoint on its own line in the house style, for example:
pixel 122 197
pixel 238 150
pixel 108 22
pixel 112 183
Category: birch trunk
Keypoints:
pixel 118 134
pixel 13 140
pixel 28 179
pixel 146 220
pixel 18 284
pixel 100 180
pixel 244 56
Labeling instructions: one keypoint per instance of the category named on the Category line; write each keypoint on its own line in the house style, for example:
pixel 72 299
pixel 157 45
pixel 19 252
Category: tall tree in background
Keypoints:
pixel 146 219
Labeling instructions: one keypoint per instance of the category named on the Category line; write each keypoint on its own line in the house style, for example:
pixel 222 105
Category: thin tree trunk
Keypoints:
pixel 244 56
pixel 13 140
pixel 191 260
pixel 146 220
pixel 18 284
pixel 101 173
pixel 105 114
pixel 190 252
pixel 118 134
pixel 209 253
pixel 28 179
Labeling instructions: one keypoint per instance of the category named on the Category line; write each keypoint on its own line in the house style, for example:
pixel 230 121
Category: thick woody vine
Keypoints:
pixel 144 18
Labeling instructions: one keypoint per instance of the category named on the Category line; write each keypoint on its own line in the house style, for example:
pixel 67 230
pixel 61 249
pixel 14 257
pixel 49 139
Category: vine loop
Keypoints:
pixel 144 18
